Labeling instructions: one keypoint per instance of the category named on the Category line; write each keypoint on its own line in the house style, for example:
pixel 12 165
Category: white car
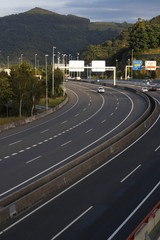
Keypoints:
pixel 100 90
pixel 144 89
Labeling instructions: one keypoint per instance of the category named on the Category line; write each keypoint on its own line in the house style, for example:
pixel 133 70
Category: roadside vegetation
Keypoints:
pixel 142 40
pixel 21 91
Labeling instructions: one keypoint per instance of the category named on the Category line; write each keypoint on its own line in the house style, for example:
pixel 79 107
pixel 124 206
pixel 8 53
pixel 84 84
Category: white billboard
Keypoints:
pixel 76 66
pixel 150 65
pixel 98 66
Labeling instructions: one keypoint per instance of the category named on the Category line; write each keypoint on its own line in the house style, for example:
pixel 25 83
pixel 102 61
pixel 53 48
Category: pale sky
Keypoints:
pixel 95 10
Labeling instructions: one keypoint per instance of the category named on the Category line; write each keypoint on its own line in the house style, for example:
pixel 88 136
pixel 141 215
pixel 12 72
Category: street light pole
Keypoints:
pixel 116 66
pixel 53 72
pixel 132 63
pixel 46 83
pixel 77 60
pixel 21 58
pixel 7 62
pixel 63 62
pixel 58 58
pixel 35 64
pixel 128 68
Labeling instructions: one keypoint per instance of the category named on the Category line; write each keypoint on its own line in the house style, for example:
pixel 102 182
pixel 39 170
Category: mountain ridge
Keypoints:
pixel 38 30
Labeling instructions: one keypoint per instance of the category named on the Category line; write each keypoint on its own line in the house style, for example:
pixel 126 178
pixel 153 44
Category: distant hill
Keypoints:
pixel 38 30
pixel 155 20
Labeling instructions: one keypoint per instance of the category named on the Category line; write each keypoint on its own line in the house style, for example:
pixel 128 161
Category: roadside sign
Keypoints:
pixel 76 66
pixel 150 65
pixel 137 65
pixel 98 66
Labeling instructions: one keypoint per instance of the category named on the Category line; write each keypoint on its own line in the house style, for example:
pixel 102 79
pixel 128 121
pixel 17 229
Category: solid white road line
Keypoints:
pixel 33 159
pixel 134 211
pixel 130 173
pixel 157 148
pixel 63 122
pixel 66 143
pixel 89 130
pixel 69 225
pixel 46 130
pixel 15 142
pixel 103 121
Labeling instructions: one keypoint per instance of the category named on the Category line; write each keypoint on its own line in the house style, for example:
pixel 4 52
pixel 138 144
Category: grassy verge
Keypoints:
pixel 51 103
pixel 10 120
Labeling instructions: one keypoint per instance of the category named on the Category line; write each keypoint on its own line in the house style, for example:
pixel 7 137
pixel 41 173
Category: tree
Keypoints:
pixel 25 88
pixel 34 89
pixel 6 92
pixel 58 78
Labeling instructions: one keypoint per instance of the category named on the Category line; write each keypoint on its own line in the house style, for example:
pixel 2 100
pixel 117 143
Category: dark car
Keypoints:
pixel 153 89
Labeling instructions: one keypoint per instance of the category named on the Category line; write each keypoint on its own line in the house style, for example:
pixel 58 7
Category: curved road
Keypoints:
pixel 90 208
pixel 90 118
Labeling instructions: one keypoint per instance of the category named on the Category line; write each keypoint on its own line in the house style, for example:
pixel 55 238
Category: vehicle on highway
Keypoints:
pixel 153 89
pixel 144 89
pixel 100 90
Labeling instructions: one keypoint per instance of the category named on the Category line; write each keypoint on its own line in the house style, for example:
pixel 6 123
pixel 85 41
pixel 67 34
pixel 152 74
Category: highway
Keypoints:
pixel 103 204
pixel 31 151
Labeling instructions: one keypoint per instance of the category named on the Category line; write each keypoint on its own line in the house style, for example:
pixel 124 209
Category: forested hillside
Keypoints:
pixel 142 40
pixel 38 30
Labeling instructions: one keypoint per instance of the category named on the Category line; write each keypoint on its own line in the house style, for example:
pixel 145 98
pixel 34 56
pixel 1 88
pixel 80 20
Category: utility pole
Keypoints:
pixel 53 72
pixel 46 83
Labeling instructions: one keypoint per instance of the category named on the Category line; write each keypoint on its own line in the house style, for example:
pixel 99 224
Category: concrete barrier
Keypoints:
pixel 63 177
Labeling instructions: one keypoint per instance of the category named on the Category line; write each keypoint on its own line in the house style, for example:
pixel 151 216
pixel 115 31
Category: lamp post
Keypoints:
pixel 7 62
pixel 46 83
pixel 128 69
pixel 53 72
pixel 69 58
pixel 21 58
pixel 35 63
pixel 132 62
pixel 58 58
pixel 77 60
pixel 116 65
pixel 63 62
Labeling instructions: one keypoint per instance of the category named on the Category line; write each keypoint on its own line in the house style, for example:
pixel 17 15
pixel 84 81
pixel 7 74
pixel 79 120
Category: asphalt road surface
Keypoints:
pixel 106 204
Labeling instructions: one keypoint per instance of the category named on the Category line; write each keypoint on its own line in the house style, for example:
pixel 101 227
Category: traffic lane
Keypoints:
pixel 58 128
pixel 31 137
pixel 40 125
pixel 55 126
pixel 41 160
pixel 40 122
pixel 30 140
pixel 28 163
pixel 18 160
pixel 134 190
pixel 47 156
pixel 103 194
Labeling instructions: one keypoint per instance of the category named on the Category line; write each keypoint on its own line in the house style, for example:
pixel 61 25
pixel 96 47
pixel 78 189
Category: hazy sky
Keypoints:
pixel 95 10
